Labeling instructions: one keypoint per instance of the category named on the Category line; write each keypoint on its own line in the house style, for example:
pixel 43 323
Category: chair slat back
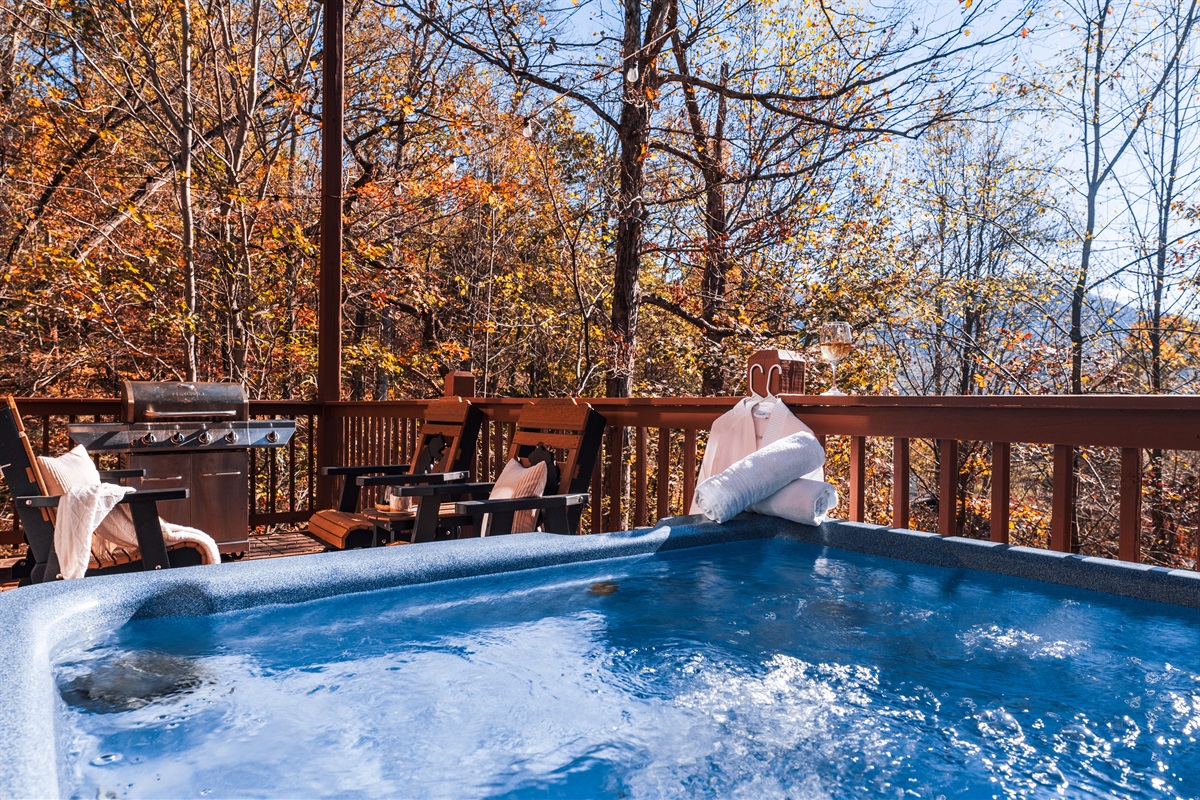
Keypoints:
pixel 20 468
pixel 570 428
pixel 448 436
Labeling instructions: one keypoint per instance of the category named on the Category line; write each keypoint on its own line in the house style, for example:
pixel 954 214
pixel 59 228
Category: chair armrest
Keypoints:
pixel 148 496
pixel 560 512
pixel 444 489
pixel 109 475
pixel 520 503
pixel 426 477
pixel 386 469
pixel 154 495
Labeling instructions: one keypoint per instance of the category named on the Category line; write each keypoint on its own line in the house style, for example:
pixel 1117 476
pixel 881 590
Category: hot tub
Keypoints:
pixel 756 658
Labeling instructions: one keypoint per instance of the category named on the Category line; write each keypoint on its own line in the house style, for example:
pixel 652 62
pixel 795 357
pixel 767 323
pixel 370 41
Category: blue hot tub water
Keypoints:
pixel 752 669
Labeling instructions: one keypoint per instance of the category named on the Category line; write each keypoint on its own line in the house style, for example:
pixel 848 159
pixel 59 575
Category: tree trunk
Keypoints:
pixel 640 77
pixel 185 195
pixel 634 136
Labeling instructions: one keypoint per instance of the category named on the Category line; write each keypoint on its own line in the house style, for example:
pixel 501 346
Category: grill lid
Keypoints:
pixel 158 401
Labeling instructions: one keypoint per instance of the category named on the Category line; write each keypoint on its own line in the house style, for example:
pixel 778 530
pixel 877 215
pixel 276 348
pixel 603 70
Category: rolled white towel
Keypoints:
pixel 802 500
pixel 759 475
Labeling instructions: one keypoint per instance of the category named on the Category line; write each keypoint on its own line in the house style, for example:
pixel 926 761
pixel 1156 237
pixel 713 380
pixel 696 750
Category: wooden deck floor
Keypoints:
pixel 264 543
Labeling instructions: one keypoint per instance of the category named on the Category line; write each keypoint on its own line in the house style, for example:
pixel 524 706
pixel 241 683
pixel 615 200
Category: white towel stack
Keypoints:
pixel 759 475
pixel 802 500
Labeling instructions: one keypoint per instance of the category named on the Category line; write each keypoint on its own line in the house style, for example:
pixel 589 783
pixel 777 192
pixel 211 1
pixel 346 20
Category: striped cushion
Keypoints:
pixel 518 481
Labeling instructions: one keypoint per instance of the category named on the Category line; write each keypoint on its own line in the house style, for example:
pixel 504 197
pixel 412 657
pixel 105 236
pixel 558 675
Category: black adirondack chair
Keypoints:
pixel 35 509
pixel 445 453
pixel 565 434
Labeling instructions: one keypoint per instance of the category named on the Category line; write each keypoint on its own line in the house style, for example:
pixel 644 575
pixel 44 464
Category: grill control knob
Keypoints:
pixel 272 437
pixel 149 438
pixel 204 438
pixel 177 438
pixel 231 437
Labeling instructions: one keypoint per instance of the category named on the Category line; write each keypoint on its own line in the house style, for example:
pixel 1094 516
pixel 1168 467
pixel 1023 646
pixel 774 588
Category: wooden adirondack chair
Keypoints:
pixel 565 434
pixel 445 453
pixel 35 509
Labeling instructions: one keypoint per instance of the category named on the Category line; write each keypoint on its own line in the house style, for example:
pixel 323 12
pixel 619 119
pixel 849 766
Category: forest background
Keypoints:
pixel 596 197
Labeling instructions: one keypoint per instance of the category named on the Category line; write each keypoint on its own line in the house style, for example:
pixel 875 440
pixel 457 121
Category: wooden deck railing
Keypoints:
pixel 879 447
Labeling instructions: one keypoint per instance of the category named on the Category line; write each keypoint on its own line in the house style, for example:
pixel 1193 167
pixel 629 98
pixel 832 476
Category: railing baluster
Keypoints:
pixel 662 483
pixel 498 451
pixel 616 476
pixel 948 487
pixel 253 477
pixel 1062 506
pixel 1001 490
pixel 597 501
pixel 858 478
pixel 311 427
pixel 689 467
pixel 483 464
pixel 639 465
pixel 292 468
pixel 272 478
pixel 901 479
pixel 1129 535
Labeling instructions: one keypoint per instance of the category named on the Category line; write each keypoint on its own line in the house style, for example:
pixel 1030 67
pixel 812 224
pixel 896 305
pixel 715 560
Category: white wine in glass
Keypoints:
pixel 836 343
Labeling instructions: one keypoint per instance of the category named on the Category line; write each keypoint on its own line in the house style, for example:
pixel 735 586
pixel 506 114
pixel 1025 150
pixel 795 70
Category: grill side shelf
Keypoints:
pixel 119 437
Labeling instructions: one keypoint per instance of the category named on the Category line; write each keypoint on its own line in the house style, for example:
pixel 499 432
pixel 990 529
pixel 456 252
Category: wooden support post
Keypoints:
pixel 460 383
pixel 1001 490
pixel 1130 531
pixel 1062 506
pixel 901 476
pixel 948 488
pixel 858 478
pixel 788 378
pixel 329 297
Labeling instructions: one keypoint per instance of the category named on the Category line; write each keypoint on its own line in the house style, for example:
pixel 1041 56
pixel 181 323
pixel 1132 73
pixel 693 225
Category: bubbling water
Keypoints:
pixel 759 669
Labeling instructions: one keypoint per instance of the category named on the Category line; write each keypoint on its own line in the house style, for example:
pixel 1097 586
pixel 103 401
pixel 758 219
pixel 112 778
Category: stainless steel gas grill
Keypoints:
pixel 192 435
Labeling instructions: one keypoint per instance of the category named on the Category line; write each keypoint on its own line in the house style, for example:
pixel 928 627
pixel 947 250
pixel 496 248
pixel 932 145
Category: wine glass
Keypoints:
pixel 836 343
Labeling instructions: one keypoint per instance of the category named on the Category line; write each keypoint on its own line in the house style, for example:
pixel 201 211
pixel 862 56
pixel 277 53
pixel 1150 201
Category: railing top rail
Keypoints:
pixel 1168 422
pixel 1123 402
pixel 285 406
pixel 68 406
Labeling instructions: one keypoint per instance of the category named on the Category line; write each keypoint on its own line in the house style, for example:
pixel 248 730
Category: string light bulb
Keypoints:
pixel 527 129
pixel 631 74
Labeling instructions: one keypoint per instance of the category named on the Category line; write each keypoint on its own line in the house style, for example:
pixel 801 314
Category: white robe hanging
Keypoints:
pixel 742 430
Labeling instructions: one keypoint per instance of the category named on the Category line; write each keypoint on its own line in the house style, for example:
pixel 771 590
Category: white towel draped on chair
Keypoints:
pixel 80 514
